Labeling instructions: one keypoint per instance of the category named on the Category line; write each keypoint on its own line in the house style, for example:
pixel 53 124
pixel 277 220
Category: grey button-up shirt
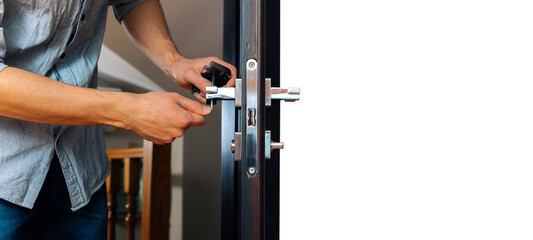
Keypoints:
pixel 60 39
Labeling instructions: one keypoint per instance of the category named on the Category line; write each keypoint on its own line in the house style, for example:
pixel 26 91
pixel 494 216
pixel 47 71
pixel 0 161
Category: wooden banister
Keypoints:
pixel 113 186
pixel 137 152
pixel 132 168
pixel 155 212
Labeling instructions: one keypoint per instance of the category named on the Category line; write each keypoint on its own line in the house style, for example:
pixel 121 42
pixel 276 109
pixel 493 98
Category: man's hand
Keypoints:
pixel 187 72
pixel 147 27
pixel 157 116
pixel 161 117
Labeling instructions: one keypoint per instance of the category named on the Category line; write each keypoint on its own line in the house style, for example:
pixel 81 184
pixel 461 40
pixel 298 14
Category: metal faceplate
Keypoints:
pixel 251 172
pixel 253 119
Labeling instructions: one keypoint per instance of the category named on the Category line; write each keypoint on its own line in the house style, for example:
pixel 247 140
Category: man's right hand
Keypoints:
pixel 161 117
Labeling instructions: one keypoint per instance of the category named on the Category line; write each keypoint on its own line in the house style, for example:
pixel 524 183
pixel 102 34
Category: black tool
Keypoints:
pixel 217 74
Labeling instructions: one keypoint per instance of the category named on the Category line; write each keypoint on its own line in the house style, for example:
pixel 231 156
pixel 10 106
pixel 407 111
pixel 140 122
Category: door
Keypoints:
pixel 250 121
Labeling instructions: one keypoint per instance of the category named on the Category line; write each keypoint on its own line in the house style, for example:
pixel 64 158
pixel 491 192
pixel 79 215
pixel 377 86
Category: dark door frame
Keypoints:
pixel 260 219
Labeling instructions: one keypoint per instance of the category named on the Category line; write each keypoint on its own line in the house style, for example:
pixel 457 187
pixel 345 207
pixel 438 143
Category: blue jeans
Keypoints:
pixel 52 217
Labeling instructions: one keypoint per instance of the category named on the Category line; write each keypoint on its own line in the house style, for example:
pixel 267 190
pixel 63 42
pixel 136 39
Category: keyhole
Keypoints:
pixel 251 117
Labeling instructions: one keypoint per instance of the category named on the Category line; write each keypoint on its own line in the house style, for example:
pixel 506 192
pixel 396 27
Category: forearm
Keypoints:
pixel 147 27
pixel 32 97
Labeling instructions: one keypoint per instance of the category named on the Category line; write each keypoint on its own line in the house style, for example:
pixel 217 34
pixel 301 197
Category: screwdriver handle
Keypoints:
pixel 216 73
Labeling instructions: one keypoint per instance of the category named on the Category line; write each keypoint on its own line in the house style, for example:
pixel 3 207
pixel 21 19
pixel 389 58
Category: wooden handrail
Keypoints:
pixel 156 189
pixel 125 153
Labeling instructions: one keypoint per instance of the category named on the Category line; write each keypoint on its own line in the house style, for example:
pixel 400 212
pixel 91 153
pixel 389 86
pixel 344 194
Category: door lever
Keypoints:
pixel 272 93
pixel 291 94
pixel 214 93
pixel 217 74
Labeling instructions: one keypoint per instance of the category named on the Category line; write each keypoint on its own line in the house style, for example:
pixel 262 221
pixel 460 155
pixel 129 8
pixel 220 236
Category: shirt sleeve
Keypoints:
pixel 121 7
pixel 2 39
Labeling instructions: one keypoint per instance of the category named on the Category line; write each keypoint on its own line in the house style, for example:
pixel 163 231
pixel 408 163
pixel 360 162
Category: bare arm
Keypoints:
pixel 32 97
pixel 147 27
pixel 158 117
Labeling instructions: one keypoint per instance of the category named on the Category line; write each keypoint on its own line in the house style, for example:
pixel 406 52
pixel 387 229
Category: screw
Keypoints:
pixel 251 170
pixel 251 65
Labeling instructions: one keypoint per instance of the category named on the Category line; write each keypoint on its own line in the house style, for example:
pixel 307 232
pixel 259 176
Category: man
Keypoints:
pixel 52 156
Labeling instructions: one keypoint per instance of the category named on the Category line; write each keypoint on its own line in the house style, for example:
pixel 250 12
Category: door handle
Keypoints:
pixel 291 94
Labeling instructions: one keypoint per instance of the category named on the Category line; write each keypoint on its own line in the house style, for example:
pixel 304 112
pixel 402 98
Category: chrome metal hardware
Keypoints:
pixel 252 118
pixel 236 146
pixel 269 145
pixel 276 145
pixel 216 93
pixel 238 93
pixel 235 93
pixel 290 94
pixel 287 94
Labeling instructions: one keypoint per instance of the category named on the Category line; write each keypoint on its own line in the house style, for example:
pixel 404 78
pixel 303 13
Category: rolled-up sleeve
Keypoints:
pixel 2 39
pixel 121 7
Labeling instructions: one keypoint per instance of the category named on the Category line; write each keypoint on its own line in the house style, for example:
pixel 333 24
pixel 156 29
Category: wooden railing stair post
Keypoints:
pixel 155 211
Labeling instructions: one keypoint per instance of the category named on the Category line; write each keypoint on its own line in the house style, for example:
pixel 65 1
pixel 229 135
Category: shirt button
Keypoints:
pixel 83 17
pixel 62 55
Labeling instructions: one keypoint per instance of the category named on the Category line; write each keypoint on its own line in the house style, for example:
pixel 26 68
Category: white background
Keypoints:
pixel 416 120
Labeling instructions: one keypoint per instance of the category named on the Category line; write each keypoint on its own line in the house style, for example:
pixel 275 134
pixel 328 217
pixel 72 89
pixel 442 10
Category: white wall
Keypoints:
pixel 415 121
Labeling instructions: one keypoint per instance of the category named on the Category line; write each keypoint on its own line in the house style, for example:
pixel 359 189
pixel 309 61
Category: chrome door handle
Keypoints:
pixel 290 94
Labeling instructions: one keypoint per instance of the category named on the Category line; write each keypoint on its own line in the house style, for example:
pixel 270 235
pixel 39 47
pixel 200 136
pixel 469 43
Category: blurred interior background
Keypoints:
pixel 196 28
